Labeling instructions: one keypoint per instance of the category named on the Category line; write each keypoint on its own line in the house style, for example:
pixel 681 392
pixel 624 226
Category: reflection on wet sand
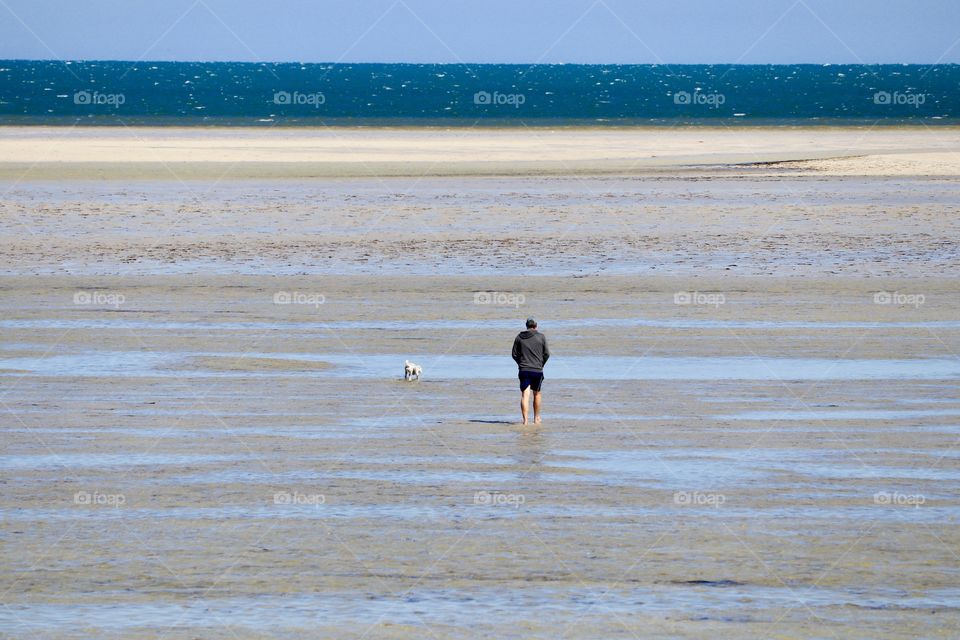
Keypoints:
pixel 159 480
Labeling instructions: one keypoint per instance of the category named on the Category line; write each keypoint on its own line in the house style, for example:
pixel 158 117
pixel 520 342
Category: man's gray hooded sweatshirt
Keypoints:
pixel 530 351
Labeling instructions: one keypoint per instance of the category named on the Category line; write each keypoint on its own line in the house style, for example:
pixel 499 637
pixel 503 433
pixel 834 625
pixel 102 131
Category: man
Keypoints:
pixel 530 352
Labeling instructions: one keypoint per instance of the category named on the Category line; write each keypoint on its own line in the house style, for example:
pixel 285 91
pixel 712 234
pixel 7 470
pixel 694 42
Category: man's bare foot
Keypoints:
pixel 536 421
pixel 524 423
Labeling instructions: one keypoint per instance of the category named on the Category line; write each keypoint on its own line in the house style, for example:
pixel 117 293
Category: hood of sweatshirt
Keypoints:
pixel 527 334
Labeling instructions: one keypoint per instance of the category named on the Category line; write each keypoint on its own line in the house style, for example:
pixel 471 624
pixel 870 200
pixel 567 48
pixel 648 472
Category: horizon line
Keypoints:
pixel 499 64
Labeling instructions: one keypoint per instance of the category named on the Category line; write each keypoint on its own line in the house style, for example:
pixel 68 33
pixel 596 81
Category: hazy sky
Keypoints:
pixel 527 31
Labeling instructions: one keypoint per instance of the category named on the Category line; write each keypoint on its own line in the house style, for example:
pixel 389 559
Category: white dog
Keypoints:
pixel 411 371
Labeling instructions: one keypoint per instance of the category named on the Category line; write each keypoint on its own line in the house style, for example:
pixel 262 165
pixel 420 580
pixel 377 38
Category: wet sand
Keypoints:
pixel 689 226
pixel 207 433
pixel 262 497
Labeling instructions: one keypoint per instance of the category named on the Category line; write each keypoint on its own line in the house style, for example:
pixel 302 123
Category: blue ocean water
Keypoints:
pixel 267 94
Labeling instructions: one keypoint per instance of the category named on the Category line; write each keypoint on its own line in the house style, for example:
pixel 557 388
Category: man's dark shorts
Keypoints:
pixel 532 379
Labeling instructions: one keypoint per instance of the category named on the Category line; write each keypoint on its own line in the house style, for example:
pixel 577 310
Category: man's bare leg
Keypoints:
pixel 536 407
pixel 524 402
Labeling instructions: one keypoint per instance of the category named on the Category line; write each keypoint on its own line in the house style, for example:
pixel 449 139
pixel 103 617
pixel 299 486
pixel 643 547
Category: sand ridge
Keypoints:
pixel 221 153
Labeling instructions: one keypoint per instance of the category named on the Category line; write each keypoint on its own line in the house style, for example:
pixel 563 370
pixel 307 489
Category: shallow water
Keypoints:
pixel 73 460
pixel 842 414
pixel 452 605
pixel 462 367
pixel 718 468
pixel 709 497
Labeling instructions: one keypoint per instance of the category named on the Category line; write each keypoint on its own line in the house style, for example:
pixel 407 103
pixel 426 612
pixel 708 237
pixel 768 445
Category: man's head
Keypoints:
pixel 531 323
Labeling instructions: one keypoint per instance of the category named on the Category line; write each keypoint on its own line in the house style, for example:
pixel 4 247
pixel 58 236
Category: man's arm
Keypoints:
pixel 546 350
pixel 516 350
